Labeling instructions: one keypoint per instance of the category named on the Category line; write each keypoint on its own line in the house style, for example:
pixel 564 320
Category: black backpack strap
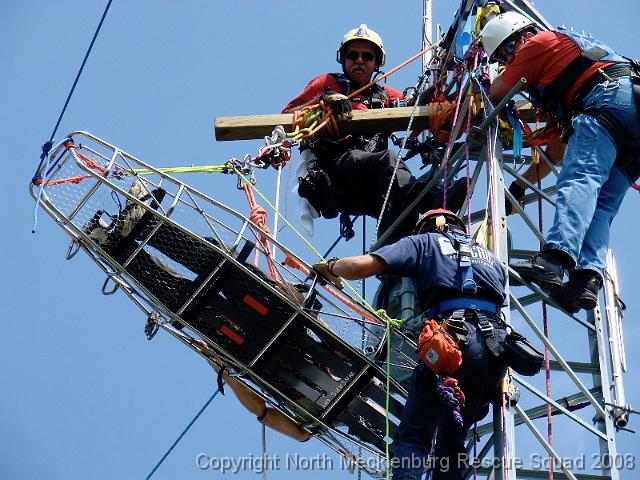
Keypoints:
pixel 554 92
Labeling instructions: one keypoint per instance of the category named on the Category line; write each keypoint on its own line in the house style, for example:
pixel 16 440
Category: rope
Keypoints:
pixel 46 147
pixel 258 216
pixel 182 434
pixel 545 322
pixel 264 451
pixel 422 85
pixel 318 116
pixel 292 263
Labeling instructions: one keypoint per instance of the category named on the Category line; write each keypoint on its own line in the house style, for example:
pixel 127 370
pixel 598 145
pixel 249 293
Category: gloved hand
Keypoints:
pixel 325 271
pixel 339 103
pixel 518 193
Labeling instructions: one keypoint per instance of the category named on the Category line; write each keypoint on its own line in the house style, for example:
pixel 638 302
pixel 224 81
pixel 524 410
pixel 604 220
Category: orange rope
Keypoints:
pixel 440 115
pixel 258 216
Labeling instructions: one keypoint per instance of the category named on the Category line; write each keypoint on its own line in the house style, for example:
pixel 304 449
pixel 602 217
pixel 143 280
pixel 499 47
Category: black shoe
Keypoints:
pixel 456 195
pixel 544 269
pixel 581 291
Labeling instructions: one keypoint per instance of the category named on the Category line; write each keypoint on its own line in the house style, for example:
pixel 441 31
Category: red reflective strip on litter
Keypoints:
pixel 231 334
pixel 255 304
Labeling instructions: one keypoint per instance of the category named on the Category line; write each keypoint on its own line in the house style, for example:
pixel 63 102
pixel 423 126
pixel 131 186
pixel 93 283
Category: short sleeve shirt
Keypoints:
pixel 431 260
pixel 328 81
pixel 542 58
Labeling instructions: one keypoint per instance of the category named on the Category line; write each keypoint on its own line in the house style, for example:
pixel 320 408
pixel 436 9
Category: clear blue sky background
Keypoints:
pixel 82 392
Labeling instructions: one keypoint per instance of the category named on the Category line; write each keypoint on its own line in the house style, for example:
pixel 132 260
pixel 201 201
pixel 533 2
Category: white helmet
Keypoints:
pixel 501 27
pixel 362 33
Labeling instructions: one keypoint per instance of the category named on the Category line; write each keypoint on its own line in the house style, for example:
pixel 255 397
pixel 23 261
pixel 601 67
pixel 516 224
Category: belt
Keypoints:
pixel 463 302
pixel 617 70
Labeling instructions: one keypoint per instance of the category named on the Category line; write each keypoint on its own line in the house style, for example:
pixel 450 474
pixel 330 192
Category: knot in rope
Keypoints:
pixel 258 216
pixel 448 396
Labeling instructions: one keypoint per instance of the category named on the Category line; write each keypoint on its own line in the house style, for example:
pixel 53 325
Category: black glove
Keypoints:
pixel 325 271
pixel 339 103
pixel 518 193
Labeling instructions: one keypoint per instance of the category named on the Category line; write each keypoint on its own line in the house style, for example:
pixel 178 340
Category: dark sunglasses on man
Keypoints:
pixel 366 56
pixel 504 52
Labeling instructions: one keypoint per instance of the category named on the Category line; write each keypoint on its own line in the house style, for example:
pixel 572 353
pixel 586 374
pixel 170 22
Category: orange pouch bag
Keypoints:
pixel 438 350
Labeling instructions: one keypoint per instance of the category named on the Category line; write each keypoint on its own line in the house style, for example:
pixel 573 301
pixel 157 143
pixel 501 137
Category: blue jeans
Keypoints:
pixel 425 418
pixel 590 188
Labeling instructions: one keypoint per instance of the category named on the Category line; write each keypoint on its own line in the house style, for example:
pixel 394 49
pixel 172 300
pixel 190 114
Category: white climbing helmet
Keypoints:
pixel 501 27
pixel 362 33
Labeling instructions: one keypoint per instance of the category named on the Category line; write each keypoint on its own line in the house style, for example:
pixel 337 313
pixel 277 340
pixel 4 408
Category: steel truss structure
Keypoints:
pixel 563 424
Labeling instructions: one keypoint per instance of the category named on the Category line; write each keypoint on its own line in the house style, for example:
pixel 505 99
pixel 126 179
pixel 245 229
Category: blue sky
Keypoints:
pixel 84 395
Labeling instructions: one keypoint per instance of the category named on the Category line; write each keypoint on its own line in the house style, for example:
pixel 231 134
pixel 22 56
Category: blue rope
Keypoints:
pixel 46 147
pixel 183 434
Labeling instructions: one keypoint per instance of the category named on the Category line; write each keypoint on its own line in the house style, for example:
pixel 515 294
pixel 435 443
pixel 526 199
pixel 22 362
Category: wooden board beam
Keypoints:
pixel 364 121
pixel 385 120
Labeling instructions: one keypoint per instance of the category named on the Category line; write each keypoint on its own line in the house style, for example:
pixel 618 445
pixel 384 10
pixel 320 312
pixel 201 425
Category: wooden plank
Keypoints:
pixel 364 121
pixel 387 120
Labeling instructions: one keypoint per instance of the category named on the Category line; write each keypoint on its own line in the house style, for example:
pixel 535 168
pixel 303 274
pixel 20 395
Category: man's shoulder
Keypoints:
pixel 550 37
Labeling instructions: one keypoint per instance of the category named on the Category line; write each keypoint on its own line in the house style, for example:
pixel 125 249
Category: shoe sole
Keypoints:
pixel 587 302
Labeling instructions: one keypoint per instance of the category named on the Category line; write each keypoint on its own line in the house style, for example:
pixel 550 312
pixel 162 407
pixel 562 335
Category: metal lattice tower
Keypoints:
pixel 576 423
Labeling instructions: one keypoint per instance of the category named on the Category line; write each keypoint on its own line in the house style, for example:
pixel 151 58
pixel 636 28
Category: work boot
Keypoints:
pixel 581 291
pixel 456 195
pixel 545 269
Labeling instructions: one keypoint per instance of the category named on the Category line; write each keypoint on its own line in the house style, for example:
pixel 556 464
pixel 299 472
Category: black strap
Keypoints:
pixel 220 380
pixel 556 90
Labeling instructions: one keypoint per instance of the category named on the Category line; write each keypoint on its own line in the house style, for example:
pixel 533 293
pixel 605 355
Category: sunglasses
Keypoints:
pixel 503 54
pixel 366 56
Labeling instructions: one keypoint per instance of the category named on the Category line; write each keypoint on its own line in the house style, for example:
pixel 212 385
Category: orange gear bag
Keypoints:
pixel 438 350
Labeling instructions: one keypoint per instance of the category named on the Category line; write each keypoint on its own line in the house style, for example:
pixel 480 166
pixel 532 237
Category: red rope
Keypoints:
pixel 545 324
pixel 258 216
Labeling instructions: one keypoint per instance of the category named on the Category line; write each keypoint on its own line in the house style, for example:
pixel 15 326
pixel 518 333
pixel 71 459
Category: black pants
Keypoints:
pixel 425 417
pixel 360 180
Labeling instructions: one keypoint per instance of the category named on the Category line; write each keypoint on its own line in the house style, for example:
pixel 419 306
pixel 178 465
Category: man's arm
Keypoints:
pixel 499 89
pixel 351 268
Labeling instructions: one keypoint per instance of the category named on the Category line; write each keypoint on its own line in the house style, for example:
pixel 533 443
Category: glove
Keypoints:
pixel 325 271
pixel 518 193
pixel 339 103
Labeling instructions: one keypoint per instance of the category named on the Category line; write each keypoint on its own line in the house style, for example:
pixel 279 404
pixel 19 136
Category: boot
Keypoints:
pixel 456 195
pixel 546 269
pixel 581 291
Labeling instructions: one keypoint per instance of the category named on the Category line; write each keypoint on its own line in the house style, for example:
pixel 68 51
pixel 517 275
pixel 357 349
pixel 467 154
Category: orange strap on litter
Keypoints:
pixel 77 178
pixel 438 350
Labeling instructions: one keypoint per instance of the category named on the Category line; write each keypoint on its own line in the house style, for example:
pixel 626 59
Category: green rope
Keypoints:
pixel 380 313
pixel 191 169
pixel 386 404
pixel 395 323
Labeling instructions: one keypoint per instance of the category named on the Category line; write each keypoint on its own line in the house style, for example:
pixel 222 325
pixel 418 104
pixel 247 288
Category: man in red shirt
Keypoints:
pixel 353 176
pixel 582 81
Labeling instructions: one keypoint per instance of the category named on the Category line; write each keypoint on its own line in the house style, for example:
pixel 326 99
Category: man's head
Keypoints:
pixel 361 53
pixel 437 220
pixel 504 35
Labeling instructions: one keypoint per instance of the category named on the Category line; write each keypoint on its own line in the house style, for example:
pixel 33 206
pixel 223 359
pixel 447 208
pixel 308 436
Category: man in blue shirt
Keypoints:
pixel 438 259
